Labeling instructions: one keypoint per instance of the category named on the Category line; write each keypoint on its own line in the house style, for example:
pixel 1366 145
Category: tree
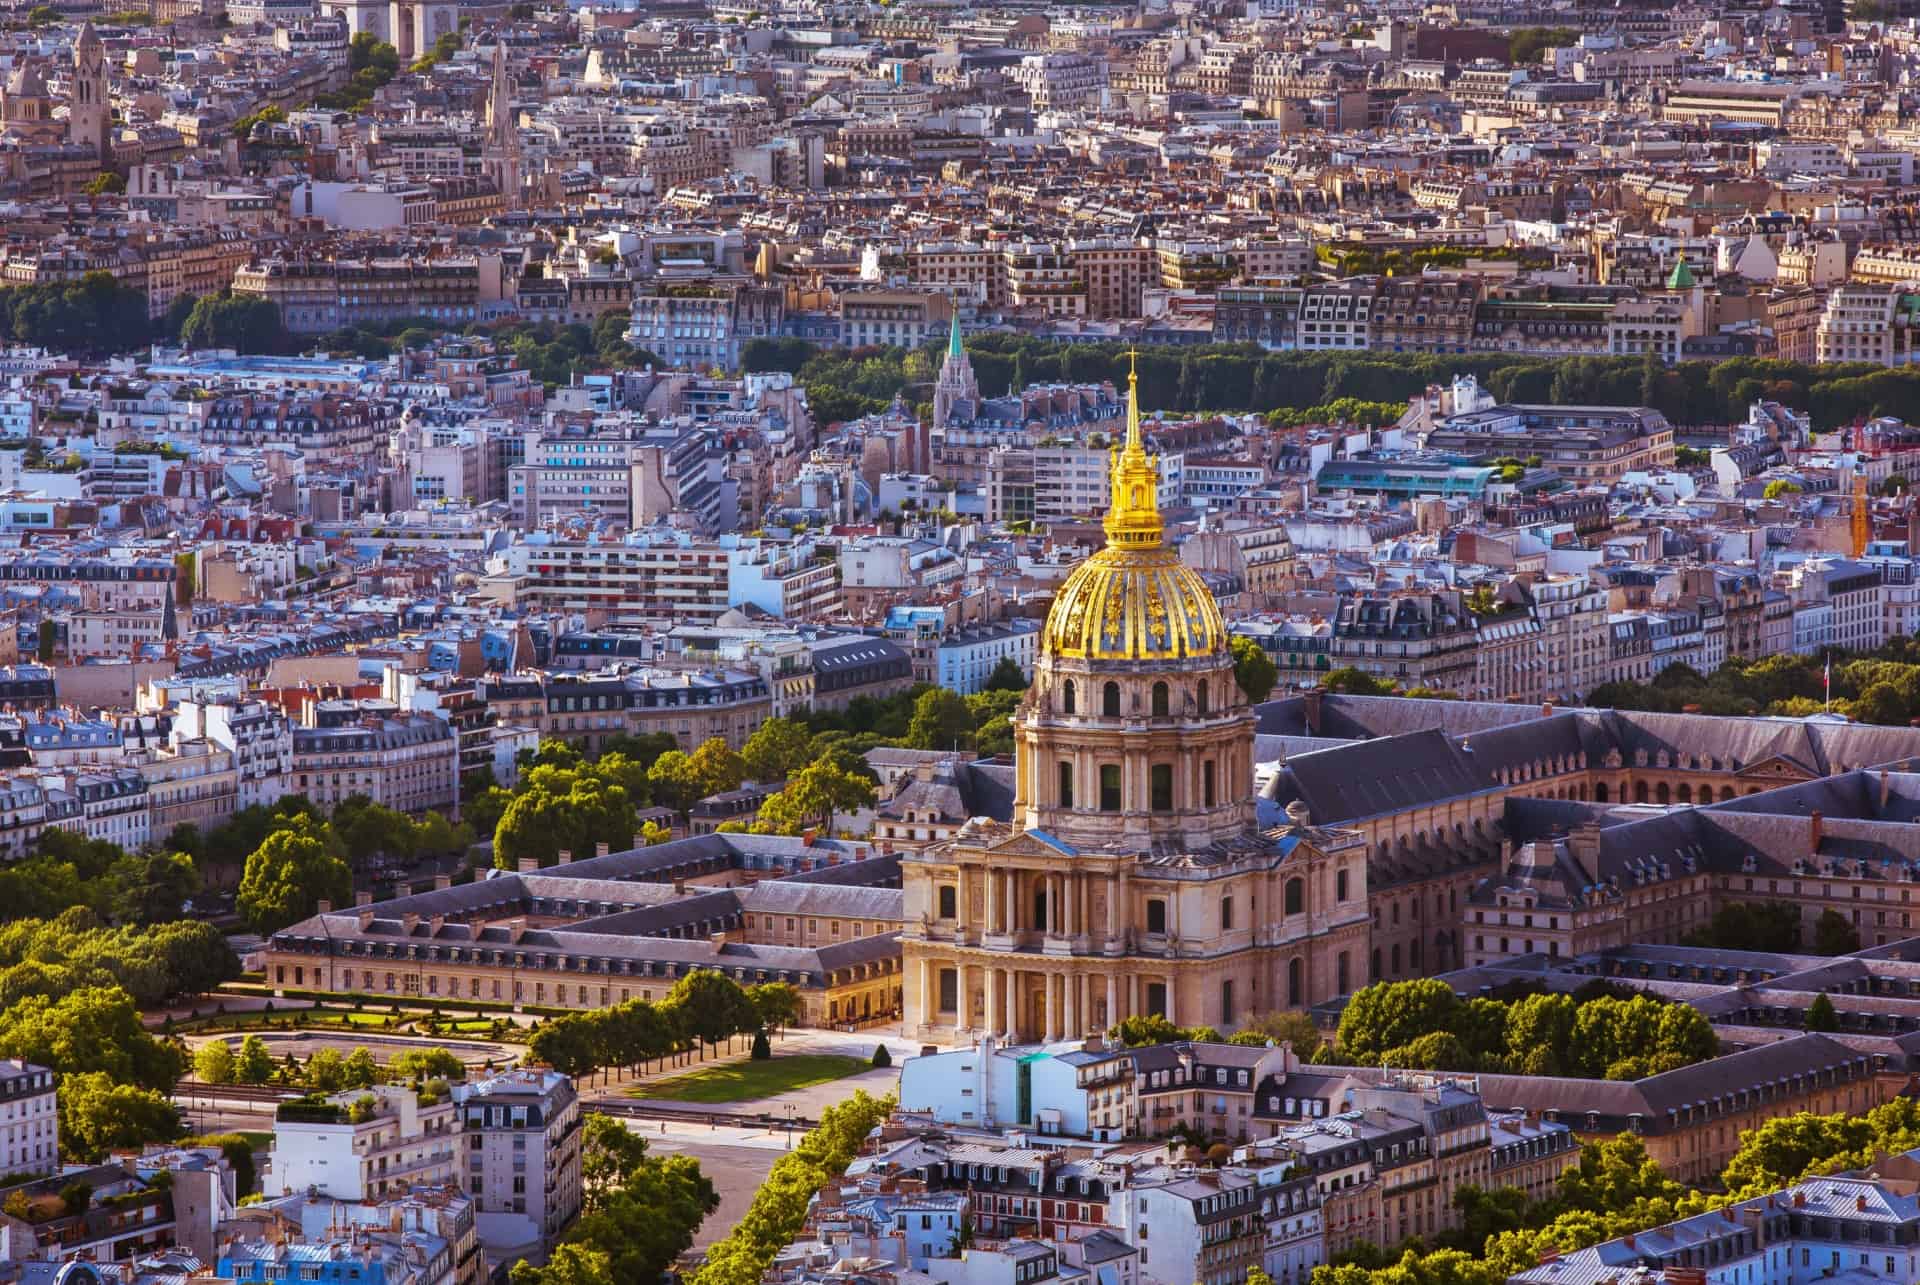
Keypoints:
pixel 1143 1029
pixel 1614 1175
pixel 254 1065
pixel 1253 669
pixel 1285 1027
pixel 567 1265
pixel 367 830
pixel 941 721
pixel 427 1064
pixel 438 836
pixel 1779 487
pixel 812 797
pixel 1387 1015
pixel 213 1063
pixel 99 1114
pixel 716 768
pixel 106 183
pixel 880 1056
pixel 778 748
pixel 652 834
pixel 610 1154
pixel 776 1004
pixel 1834 934
pixel 94 1028
pixel 1007 676
pixel 1821 1015
pixel 713 1006
pixel 288 876
pixel 151 887
pixel 359 1071
pixel 676 781
pixel 244 323
pixel 762 1049
pixel 325 1071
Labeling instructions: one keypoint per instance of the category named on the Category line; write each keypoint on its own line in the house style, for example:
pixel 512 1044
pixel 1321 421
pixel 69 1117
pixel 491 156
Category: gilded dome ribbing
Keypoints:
pixel 1135 599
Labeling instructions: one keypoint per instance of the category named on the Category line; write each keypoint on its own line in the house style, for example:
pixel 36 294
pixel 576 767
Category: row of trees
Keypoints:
pixel 1618 1190
pixel 703 1007
pixel 1244 377
pixel 1598 1032
pixel 639 1212
pixel 1881 686
pixel 780 1206
pixel 326 1071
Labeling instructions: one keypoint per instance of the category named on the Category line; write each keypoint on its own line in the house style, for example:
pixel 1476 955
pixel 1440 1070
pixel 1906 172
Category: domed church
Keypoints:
pixel 1133 876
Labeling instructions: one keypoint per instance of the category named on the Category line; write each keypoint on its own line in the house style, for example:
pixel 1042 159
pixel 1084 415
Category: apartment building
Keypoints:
pixel 407 762
pixel 364 1144
pixel 1867 322
pixel 29 1124
pixel 521 1152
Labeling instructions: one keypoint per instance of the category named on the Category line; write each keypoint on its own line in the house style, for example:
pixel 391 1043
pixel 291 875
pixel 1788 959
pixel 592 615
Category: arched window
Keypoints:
pixel 1296 896
pixel 1159 700
pixel 1066 697
pixel 1207 790
pixel 1066 784
pixel 1639 791
pixel 1160 787
pixel 1293 983
pixel 1374 974
pixel 1110 700
pixel 1201 696
pixel 1661 794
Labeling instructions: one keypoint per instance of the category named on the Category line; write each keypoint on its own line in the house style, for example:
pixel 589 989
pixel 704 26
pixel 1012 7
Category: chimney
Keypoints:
pixel 602 849
pixel 363 898
pixel 1815 827
pixel 1546 709
pixel 323 907
pixel 808 835
pixel 529 864
pixel 442 882
pixel 639 839
pixel 1310 710
pixel 1886 788
pixel 563 857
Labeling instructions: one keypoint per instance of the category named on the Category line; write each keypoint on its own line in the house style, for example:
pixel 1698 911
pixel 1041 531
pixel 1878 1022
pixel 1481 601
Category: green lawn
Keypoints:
pixel 741 1081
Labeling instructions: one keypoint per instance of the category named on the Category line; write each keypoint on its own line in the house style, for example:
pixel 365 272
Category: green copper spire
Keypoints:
pixel 1681 278
pixel 953 338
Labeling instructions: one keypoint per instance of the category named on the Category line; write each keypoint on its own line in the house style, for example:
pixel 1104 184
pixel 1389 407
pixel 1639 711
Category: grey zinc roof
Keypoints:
pixel 794 897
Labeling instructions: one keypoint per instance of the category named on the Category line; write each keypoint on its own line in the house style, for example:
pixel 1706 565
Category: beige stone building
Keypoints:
pixel 1132 877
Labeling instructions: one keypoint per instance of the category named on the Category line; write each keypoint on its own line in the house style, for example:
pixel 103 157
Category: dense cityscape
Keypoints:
pixel 959 642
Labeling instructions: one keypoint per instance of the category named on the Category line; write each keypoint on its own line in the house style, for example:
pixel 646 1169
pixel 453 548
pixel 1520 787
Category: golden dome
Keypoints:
pixel 1135 599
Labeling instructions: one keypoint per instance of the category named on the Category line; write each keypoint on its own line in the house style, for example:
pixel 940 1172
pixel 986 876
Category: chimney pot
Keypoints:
pixel 363 898
pixel 602 849
pixel 1815 828
pixel 442 882
pixel 323 906
pixel 529 864
pixel 564 857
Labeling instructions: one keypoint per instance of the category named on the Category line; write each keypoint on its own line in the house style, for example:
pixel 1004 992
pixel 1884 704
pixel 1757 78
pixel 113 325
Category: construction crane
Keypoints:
pixel 1862 512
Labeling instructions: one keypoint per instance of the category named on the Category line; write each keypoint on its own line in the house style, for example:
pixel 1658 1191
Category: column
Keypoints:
pixel 1056 1001
pixel 929 993
pixel 1011 980
pixel 1057 904
pixel 993 902
pixel 1170 988
pixel 1113 1000
pixel 1070 1015
pixel 960 914
pixel 994 996
pixel 1113 907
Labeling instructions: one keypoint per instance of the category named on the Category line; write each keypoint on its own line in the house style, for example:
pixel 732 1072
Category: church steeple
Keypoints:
pixel 502 152
pixel 956 394
pixel 1133 509
pixel 89 115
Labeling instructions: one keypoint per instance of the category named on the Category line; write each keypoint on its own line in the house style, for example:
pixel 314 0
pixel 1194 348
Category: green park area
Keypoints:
pixel 745 1081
